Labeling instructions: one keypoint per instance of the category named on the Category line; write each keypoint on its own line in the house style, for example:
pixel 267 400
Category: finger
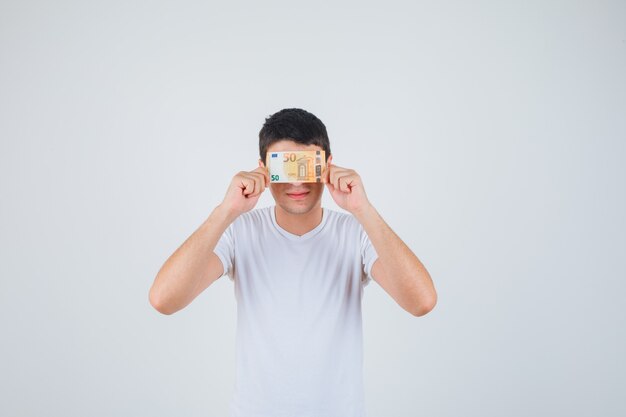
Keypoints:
pixel 248 185
pixel 334 174
pixel 266 176
pixel 260 169
pixel 259 185
pixel 331 175
pixel 264 171
pixel 325 174
pixel 343 182
pixel 248 188
pixel 260 182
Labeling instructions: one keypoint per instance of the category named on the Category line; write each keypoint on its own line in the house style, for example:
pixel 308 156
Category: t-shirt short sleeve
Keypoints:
pixel 225 250
pixel 368 256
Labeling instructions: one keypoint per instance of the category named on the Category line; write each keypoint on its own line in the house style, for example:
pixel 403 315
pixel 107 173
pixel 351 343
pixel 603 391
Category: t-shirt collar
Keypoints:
pixel 295 237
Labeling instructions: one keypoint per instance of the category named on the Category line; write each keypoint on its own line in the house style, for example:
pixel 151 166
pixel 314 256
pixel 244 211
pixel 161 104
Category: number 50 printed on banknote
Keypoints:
pixel 296 166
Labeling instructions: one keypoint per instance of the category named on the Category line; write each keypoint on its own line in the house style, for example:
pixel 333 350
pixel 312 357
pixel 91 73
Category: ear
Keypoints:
pixel 330 159
pixel 261 164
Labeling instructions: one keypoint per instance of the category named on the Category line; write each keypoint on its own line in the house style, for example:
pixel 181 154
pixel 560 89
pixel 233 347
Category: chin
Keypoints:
pixel 295 207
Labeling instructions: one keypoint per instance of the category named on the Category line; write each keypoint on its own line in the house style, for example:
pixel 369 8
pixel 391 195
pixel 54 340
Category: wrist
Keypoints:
pixel 364 211
pixel 223 213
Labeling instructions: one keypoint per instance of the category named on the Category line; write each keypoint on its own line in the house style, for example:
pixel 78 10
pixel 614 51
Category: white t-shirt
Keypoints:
pixel 299 342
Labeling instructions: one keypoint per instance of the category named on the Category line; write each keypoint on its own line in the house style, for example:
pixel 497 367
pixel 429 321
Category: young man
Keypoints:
pixel 299 271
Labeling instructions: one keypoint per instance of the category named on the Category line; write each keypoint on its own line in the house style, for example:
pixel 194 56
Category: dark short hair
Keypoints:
pixel 293 124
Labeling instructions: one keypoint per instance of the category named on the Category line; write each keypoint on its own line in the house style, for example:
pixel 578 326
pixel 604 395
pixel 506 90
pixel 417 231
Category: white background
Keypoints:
pixel 491 136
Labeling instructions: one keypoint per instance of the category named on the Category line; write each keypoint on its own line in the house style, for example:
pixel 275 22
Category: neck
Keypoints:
pixel 298 224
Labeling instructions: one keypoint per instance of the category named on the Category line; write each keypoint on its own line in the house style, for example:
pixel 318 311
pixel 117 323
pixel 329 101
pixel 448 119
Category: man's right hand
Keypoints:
pixel 195 265
pixel 245 189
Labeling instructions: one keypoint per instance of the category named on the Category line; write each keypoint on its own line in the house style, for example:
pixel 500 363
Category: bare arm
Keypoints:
pixel 194 266
pixel 397 269
pixel 401 274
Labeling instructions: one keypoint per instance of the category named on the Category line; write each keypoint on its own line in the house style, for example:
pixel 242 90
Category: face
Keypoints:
pixel 296 197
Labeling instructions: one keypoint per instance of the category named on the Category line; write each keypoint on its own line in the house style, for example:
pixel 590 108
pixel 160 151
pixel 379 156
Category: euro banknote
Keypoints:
pixel 296 166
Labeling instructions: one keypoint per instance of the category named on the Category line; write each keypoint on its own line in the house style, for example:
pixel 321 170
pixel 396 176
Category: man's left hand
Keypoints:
pixel 346 188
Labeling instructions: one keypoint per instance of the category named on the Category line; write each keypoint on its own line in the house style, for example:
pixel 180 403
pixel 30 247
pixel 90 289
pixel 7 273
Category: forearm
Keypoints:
pixel 177 281
pixel 405 276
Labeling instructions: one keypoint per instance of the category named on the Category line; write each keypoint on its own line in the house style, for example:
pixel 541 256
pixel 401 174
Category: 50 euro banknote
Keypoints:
pixel 296 166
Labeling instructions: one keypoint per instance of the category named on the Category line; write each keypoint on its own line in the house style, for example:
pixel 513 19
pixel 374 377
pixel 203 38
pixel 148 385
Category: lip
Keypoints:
pixel 298 196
